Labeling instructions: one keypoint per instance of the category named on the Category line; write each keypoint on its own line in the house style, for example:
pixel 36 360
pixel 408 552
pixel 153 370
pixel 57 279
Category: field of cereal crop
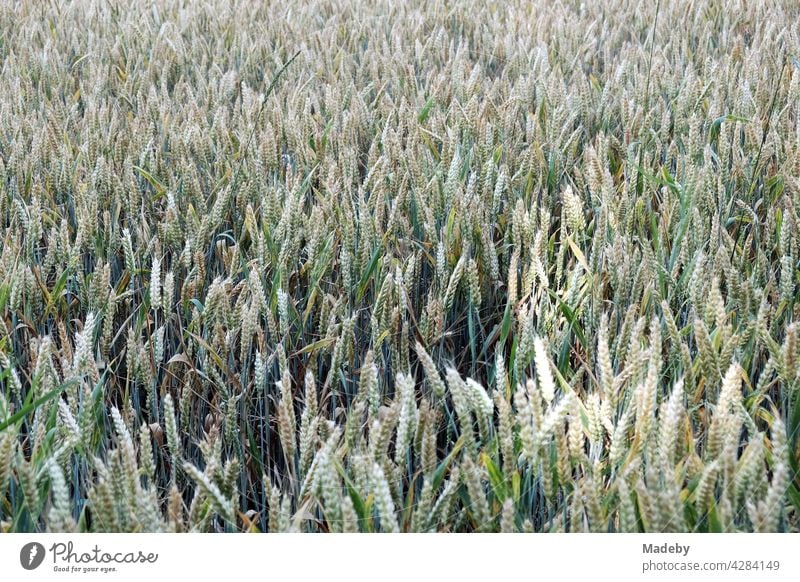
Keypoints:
pixel 346 265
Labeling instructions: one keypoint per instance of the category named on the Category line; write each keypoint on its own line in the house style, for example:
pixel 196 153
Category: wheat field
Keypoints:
pixel 384 267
